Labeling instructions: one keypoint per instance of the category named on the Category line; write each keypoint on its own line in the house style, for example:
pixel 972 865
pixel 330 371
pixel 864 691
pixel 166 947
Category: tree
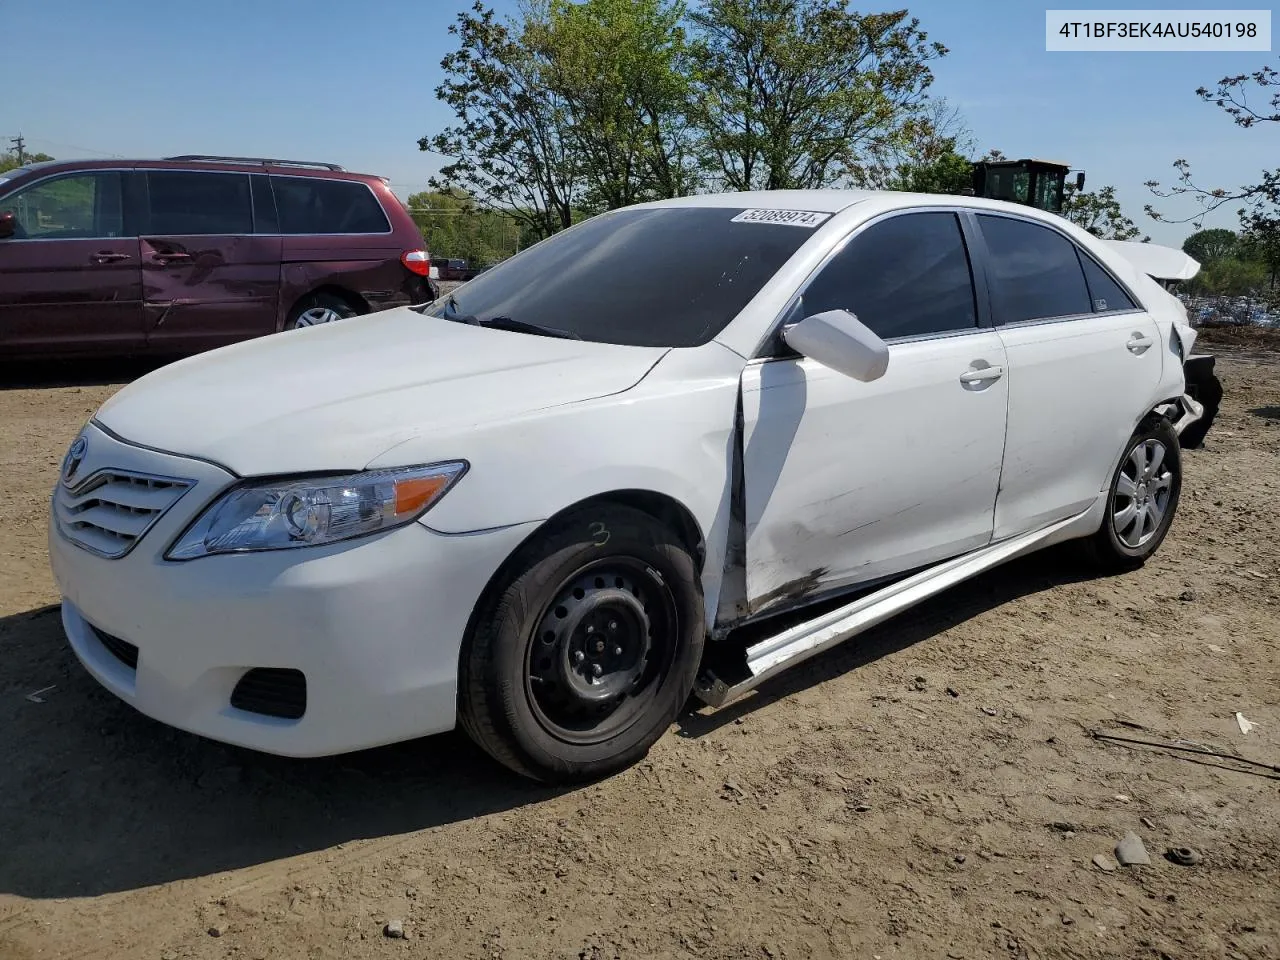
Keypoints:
pixel 949 173
pixel 1098 212
pixel 510 146
pixel 627 109
pixel 1262 199
pixel 800 93
pixel 1207 246
pixel 9 160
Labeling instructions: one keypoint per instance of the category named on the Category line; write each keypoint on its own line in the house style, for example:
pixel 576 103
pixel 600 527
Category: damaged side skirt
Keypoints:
pixel 775 653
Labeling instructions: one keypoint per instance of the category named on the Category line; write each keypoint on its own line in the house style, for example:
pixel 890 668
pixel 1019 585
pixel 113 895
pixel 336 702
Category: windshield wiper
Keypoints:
pixel 524 326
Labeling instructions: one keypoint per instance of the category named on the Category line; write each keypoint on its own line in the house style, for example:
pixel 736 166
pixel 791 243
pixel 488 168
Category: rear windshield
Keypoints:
pixel 666 276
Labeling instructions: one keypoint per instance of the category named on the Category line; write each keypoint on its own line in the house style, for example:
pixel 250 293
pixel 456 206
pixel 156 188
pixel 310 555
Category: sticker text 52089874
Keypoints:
pixel 791 218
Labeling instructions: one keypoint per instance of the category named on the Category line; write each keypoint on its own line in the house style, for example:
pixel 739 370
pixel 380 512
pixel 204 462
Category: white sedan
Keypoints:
pixel 544 507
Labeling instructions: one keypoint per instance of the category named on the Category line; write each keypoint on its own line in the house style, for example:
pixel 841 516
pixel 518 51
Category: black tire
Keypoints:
pixel 529 694
pixel 1128 547
pixel 318 303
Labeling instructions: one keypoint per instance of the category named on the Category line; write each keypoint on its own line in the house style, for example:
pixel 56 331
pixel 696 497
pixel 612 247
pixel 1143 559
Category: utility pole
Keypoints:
pixel 19 143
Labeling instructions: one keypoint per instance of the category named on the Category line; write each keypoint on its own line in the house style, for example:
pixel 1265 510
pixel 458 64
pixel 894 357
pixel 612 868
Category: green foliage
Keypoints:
pixel 1098 212
pixel 803 93
pixel 1228 277
pixel 950 173
pixel 622 70
pixel 9 159
pixel 576 106
pixel 454 227
pixel 1207 246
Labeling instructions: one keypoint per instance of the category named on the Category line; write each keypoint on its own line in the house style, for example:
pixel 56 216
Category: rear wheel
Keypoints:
pixel 583 656
pixel 317 309
pixel 1143 498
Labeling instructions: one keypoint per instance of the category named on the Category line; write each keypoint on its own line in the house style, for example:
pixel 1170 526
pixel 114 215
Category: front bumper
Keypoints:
pixel 375 625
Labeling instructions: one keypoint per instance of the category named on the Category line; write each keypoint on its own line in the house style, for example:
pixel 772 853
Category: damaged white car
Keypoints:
pixel 543 508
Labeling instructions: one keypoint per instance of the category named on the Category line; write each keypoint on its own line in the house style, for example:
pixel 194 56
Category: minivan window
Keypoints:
pixel 659 276
pixel 1034 271
pixel 906 276
pixel 190 203
pixel 312 205
pixel 1104 292
pixel 80 206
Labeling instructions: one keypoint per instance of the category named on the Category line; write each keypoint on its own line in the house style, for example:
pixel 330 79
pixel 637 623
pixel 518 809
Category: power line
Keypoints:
pixel 19 143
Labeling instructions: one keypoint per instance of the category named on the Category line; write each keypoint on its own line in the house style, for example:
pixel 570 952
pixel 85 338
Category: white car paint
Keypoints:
pixel 918 459
pixel 1163 263
pixel 849 481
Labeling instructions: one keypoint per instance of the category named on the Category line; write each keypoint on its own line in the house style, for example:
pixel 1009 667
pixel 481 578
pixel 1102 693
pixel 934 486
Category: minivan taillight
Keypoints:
pixel 417 261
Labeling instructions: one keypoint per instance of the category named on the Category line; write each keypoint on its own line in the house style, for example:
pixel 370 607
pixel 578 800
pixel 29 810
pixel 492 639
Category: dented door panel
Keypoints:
pixel 846 482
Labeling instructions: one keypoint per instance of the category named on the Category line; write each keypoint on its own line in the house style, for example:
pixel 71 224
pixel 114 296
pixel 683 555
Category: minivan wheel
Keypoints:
pixel 317 309
pixel 1143 498
pixel 582 657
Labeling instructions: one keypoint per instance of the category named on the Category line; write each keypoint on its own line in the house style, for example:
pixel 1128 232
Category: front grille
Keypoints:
pixel 122 650
pixel 273 692
pixel 111 510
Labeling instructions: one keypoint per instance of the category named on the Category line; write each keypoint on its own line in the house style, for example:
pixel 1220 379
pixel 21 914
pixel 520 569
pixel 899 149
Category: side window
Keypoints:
pixel 81 206
pixel 315 205
pixel 906 276
pixel 1033 270
pixel 191 203
pixel 1104 292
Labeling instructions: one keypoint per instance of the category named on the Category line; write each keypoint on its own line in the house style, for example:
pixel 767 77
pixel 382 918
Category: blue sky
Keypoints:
pixel 354 84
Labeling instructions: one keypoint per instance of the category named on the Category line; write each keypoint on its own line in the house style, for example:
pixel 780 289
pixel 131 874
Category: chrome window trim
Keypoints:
pixel 978 327
pixel 286 176
pixel 1079 250
pixel 149 169
pixel 62 176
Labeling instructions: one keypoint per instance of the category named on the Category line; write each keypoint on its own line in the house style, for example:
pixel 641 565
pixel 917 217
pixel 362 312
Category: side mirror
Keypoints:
pixel 8 225
pixel 839 340
pixel 1080 180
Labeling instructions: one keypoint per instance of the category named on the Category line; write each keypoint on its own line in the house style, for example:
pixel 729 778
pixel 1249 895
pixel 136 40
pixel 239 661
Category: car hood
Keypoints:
pixel 335 397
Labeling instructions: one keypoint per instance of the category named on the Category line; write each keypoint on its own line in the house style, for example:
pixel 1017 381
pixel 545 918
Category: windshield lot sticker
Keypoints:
pixel 791 218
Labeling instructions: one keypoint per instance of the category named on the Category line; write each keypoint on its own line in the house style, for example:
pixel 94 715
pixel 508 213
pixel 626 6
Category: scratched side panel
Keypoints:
pixel 847 481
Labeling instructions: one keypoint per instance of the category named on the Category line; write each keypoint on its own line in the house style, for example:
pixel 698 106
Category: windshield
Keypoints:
pixel 657 277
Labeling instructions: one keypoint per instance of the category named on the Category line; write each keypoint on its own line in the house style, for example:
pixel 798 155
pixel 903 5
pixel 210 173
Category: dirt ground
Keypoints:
pixel 928 790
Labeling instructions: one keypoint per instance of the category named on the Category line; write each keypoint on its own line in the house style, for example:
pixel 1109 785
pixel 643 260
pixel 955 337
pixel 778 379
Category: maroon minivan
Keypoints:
pixel 174 256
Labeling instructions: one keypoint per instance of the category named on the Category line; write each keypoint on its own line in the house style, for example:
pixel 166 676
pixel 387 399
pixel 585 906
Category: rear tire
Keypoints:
pixel 580 659
pixel 318 309
pixel 1142 499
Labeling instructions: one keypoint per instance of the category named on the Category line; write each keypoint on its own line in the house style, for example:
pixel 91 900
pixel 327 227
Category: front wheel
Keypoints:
pixel 1143 498
pixel 581 659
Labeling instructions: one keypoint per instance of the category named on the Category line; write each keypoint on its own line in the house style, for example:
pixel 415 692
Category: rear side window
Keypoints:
pixel 907 276
pixel 1034 271
pixel 190 203
pixel 1104 292
pixel 314 205
pixel 77 207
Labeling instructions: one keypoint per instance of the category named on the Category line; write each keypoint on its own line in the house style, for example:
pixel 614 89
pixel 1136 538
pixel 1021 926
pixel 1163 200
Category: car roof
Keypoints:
pixel 46 167
pixel 837 200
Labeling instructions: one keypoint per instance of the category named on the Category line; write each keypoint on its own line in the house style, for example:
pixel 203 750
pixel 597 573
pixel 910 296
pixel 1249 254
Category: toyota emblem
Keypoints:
pixel 75 456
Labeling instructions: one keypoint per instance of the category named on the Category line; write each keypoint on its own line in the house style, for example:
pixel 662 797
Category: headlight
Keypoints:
pixel 284 513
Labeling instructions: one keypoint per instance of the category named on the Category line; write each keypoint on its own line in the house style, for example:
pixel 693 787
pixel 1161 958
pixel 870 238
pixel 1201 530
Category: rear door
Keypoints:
pixel 1084 361
pixel 69 278
pixel 208 278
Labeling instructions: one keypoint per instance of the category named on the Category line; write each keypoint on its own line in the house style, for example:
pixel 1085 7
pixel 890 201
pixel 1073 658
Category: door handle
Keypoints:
pixel 1139 343
pixel 982 374
pixel 106 256
pixel 171 257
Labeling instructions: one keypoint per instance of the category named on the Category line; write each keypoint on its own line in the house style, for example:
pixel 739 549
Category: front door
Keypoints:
pixel 848 482
pixel 1081 353
pixel 69 276
pixel 208 278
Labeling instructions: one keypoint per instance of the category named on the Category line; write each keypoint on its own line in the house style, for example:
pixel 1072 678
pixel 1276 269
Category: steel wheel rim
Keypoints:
pixel 601 650
pixel 317 315
pixel 1140 499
